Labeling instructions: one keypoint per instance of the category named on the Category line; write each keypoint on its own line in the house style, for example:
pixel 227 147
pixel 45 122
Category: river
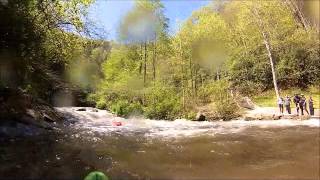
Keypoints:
pixel 150 149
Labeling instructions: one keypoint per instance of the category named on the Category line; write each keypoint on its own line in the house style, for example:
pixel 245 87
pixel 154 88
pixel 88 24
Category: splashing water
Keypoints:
pixel 101 122
pixel 157 149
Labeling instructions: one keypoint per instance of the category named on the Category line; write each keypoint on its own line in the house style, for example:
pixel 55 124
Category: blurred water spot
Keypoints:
pixel 63 98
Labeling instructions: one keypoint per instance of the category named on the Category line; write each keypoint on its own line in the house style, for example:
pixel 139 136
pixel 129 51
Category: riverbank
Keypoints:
pixel 268 98
pixel 271 113
pixel 22 114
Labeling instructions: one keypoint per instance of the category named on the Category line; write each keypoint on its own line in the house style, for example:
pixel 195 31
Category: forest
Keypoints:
pixel 227 49
pixel 219 51
pixel 200 97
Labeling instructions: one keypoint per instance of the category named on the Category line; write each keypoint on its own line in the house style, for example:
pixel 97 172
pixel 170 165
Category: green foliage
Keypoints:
pixel 125 108
pixel 191 115
pixel 215 50
pixel 120 108
pixel 39 43
pixel 294 49
pixel 160 76
pixel 101 104
pixel 162 102
pixel 223 103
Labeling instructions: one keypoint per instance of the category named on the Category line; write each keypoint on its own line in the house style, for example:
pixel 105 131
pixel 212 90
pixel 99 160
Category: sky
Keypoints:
pixel 108 13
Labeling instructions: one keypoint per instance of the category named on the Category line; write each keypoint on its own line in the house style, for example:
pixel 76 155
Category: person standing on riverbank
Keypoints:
pixel 280 104
pixel 296 101
pixel 311 109
pixel 303 104
pixel 287 102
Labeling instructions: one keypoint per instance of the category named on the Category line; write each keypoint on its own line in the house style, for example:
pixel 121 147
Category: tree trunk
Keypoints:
pixel 182 75
pixel 141 59
pixel 268 48
pixel 195 82
pixel 267 44
pixel 297 13
pixel 154 58
pixel 191 72
pixel 145 64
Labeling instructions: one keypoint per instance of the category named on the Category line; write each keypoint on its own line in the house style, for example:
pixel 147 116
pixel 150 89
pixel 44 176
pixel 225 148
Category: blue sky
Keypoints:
pixel 108 13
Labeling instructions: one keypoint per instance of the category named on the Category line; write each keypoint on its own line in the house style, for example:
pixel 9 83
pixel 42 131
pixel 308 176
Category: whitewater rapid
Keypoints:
pixel 101 122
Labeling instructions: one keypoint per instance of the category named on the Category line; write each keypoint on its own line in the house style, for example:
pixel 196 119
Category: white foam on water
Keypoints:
pixel 101 122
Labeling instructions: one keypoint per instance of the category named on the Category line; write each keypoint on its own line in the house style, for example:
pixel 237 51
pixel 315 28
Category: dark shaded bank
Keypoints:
pixel 22 114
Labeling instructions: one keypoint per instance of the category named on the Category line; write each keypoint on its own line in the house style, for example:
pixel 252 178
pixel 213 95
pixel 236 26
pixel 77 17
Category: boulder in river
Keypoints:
pixel 94 110
pixel 81 109
pixel 245 102
pixel 276 117
pixel 249 118
pixel 200 117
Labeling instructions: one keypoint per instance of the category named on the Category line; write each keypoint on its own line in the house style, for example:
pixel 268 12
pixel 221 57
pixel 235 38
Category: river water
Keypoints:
pixel 180 149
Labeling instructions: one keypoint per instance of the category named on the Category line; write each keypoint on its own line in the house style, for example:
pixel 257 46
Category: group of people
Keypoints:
pixel 300 102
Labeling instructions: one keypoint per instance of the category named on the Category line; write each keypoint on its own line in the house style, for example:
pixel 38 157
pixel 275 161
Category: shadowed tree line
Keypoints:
pixel 40 40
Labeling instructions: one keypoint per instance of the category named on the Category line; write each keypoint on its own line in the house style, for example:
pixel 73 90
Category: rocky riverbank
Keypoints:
pixel 249 111
pixel 271 113
pixel 22 114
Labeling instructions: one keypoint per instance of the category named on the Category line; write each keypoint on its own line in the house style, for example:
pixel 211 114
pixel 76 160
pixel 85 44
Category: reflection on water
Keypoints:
pixel 144 149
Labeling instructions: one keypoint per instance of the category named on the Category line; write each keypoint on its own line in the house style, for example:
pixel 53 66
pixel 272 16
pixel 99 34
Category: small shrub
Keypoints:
pixel 224 105
pixel 162 102
pixel 125 108
pixel 101 104
pixel 120 108
pixel 191 115
pixel 134 108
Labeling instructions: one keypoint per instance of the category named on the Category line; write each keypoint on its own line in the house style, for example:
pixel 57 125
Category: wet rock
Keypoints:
pixel 304 117
pixel 245 102
pixel 200 117
pixel 48 118
pixel 254 117
pixel 289 116
pixel 21 113
pixel 81 109
pixel 94 110
pixel 268 117
pixel 249 118
pixel 276 117
pixel 31 113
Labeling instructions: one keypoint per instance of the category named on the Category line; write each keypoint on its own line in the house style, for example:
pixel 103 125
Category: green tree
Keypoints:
pixel 39 39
